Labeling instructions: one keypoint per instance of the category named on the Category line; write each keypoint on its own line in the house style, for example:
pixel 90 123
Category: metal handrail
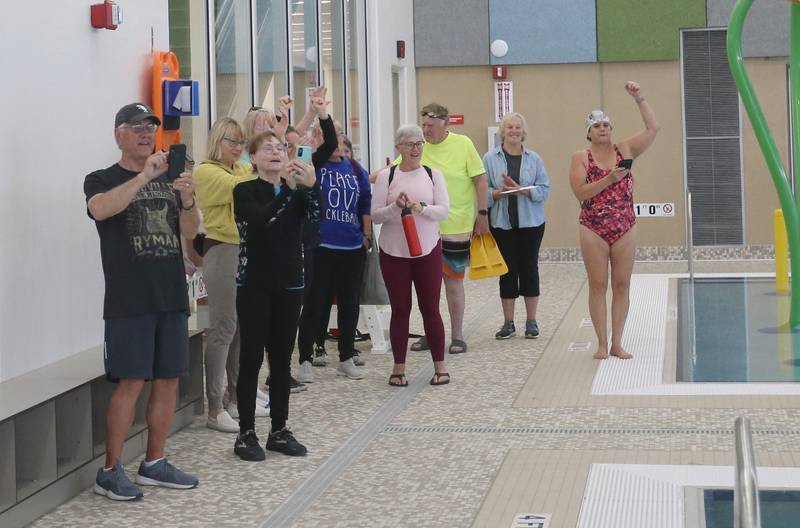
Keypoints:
pixel 689 236
pixel 746 507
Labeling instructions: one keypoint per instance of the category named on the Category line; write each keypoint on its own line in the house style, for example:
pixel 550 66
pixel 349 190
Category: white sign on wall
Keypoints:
pixel 654 209
pixel 503 99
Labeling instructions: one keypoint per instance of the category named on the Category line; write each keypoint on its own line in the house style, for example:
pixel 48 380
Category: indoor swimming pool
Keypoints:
pixel 730 330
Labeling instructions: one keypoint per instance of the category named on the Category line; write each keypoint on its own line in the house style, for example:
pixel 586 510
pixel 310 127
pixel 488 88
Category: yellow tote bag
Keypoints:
pixel 489 262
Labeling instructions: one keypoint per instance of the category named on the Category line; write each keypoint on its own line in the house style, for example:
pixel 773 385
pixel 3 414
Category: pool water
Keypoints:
pixel 729 330
pixel 779 508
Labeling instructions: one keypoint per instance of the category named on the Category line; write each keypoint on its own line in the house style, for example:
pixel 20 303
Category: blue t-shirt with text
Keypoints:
pixel 346 196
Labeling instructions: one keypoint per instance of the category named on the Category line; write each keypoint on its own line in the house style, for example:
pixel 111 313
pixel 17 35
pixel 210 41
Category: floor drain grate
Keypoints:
pixel 580 430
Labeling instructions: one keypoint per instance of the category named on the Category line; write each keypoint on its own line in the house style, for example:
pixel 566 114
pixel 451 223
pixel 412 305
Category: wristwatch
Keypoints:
pixel 483 212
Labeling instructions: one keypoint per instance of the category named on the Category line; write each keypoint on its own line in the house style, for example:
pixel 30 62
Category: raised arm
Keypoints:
pixel 107 204
pixel 635 145
pixel 255 213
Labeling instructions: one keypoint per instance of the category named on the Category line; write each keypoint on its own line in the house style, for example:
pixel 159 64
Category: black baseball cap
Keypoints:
pixel 133 113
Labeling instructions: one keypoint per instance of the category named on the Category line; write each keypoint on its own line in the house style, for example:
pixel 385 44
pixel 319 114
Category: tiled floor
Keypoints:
pixel 516 431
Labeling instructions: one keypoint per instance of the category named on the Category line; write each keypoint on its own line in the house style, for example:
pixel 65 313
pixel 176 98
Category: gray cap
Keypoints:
pixel 133 113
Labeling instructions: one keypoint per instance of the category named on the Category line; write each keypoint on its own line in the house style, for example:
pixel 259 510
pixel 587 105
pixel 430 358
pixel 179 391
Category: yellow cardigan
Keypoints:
pixel 215 183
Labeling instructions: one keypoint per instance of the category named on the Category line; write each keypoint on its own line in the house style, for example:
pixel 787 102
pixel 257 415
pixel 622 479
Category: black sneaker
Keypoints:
pixel 320 358
pixel 248 448
pixel 506 331
pixel 283 441
pixel 531 329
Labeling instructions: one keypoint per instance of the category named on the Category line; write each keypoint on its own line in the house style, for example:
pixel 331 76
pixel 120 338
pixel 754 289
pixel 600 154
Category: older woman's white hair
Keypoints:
pixel 506 121
pixel 407 131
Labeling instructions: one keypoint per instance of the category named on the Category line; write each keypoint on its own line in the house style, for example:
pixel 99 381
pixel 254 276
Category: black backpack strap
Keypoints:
pixel 427 169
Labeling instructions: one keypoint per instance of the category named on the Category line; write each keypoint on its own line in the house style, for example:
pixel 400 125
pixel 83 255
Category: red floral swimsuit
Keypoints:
pixel 610 212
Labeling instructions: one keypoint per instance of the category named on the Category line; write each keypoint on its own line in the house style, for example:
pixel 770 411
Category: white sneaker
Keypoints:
pixel 233 410
pixel 261 412
pixel 223 422
pixel 349 369
pixel 305 374
pixel 262 398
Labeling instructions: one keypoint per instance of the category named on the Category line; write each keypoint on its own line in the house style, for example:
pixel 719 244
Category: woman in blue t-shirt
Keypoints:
pixel 345 231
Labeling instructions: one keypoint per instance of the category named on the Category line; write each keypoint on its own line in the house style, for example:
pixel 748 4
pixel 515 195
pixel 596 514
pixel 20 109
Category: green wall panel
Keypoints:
pixel 644 30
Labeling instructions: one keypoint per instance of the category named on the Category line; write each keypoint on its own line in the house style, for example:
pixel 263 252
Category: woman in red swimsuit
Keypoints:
pixel 607 221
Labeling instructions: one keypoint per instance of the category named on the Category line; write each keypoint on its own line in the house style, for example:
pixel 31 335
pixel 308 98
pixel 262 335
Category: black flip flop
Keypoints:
pixel 435 380
pixel 420 344
pixel 401 377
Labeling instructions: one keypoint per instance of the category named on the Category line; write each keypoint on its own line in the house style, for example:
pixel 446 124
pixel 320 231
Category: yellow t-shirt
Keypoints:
pixel 215 183
pixel 458 160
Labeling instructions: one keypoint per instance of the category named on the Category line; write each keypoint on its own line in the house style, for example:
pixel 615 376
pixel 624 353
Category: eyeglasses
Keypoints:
pixel 417 144
pixel 138 128
pixel 235 142
pixel 434 115
pixel 270 148
pixel 254 108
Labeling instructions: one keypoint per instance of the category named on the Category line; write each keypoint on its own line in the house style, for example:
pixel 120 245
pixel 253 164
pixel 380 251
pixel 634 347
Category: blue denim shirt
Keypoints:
pixel 532 172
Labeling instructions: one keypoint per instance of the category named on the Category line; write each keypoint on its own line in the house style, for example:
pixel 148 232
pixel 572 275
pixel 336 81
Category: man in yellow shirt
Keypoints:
pixel 455 155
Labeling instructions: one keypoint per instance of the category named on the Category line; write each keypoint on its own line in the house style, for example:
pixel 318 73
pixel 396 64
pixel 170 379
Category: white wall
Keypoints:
pixel 388 22
pixel 63 82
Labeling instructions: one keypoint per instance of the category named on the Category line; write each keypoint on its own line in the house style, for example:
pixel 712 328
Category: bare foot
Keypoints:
pixel 602 353
pixel 617 351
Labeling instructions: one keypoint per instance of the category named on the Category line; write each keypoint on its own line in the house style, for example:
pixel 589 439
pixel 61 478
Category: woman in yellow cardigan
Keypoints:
pixel 216 177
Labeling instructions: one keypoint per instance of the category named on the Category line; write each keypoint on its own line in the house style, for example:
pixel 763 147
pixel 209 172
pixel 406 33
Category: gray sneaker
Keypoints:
pixel 507 331
pixel 531 329
pixel 305 374
pixel 116 485
pixel 162 473
pixel 320 357
pixel 357 359
pixel 349 369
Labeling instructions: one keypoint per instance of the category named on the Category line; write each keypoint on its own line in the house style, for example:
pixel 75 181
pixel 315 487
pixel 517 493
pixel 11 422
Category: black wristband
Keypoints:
pixel 483 212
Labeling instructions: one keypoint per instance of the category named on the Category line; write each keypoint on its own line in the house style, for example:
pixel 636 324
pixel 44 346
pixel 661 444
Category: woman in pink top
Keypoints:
pixel 423 190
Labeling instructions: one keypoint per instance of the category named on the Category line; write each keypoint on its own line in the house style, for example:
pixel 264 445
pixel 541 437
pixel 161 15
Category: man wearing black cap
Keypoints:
pixel 140 217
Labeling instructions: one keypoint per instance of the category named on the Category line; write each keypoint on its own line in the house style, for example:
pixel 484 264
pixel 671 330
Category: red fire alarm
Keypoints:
pixel 401 49
pixel 499 71
pixel 107 15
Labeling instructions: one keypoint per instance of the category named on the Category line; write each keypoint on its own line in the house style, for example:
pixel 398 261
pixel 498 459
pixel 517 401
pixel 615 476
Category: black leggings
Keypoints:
pixel 336 272
pixel 520 249
pixel 266 320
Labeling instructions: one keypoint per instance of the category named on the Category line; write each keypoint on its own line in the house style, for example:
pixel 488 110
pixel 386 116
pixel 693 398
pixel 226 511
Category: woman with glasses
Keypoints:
pixel 423 190
pixel 518 188
pixel 345 231
pixel 216 177
pixel 271 211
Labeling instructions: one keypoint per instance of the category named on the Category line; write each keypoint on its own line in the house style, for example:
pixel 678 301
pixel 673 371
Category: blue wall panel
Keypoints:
pixel 766 30
pixel 451 32
pixel 544 31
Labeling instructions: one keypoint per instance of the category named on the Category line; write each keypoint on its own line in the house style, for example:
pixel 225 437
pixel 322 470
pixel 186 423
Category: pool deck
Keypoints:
pixel 517 431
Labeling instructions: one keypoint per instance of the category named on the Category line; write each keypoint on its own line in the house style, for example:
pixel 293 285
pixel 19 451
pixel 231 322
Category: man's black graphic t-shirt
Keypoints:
pixel 140 247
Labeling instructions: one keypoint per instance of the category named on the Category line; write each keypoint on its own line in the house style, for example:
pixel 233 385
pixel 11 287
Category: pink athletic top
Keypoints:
pixel 419 188
pixel 609 213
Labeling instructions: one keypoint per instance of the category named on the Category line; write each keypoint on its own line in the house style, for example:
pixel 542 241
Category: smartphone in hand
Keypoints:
pixel 625 164
pixel 304 153
pixel 176 161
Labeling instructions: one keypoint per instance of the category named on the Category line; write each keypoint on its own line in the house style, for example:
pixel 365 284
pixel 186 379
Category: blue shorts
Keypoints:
pixel 150 346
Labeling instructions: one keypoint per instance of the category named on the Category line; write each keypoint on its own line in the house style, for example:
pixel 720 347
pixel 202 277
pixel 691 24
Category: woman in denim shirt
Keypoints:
pixel 518 187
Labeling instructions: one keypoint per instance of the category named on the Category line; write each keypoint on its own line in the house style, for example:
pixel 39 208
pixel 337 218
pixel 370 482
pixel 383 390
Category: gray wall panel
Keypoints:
pixel 451 32
pixel 766 30
pixel 544 31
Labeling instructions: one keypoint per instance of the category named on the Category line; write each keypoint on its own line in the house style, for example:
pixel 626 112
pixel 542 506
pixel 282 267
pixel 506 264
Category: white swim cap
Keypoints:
pixel 596 116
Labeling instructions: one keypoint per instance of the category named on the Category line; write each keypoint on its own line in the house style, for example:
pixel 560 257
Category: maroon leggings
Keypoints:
pixel 426 274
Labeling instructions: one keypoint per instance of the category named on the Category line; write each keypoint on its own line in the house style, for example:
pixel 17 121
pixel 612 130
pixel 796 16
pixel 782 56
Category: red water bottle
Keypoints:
pixel 410 229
